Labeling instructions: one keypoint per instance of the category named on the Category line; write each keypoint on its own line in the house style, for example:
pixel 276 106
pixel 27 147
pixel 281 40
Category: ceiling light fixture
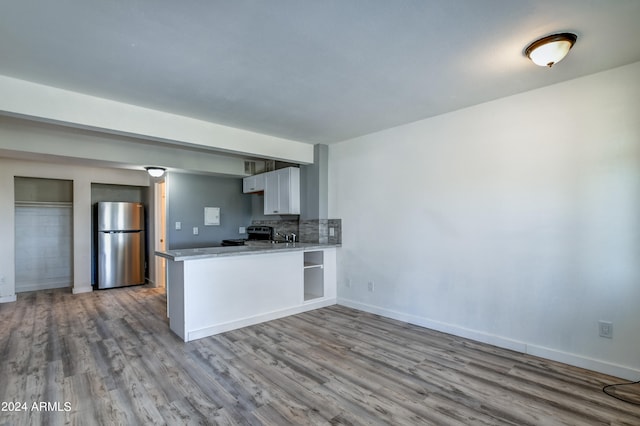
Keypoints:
pixel 551 49
pixel 155 172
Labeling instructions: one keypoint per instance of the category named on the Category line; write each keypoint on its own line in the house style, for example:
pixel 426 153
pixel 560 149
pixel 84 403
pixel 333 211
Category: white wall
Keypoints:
pixel 82 178
pixel 515 222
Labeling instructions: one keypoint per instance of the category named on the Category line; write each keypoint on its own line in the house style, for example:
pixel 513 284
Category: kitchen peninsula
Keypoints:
pixel 217 289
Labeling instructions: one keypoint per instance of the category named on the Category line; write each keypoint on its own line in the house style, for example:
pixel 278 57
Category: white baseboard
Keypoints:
pixel 151 283
pixel 78 290
pixel 7 299
pixel 600 366
pixel 22 288
pixel 256 319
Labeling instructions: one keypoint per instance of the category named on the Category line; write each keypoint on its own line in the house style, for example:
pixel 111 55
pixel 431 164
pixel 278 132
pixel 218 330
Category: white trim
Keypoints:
pixel 269 316
pixel 8 299
pixel 78 290
pixel 23 287
pixel 600 366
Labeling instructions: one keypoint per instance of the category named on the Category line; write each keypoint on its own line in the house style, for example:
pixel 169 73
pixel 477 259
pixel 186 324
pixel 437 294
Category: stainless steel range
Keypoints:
pixel 254 233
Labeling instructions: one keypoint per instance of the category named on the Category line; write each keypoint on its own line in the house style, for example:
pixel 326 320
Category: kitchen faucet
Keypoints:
pixel 287 238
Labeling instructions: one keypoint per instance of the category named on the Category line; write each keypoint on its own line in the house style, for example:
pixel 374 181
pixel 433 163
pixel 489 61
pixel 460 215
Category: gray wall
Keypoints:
pixel 43 190
pixel 122 193
pixel 188 195
pixel 314 185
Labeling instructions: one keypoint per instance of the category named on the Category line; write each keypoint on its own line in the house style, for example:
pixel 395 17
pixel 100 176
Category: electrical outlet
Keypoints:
pixel 371 286
pixel 606 329
pixel 178 226
pixel 242 230
pixel 1 280
pixel 195 230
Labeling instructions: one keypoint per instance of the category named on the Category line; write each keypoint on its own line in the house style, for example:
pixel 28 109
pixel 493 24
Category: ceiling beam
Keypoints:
pixel 49 104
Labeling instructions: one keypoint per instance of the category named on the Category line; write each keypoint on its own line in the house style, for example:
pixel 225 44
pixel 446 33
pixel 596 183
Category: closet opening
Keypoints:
pixel 43 233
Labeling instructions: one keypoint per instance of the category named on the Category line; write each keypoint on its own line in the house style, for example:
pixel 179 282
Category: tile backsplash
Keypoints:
pixel 286 227
pixel 323 231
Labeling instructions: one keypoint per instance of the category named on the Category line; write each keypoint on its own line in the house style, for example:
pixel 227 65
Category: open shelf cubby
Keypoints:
pixel 313 275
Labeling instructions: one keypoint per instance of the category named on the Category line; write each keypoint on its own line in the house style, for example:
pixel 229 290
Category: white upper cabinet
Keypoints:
pixel 282 191
pixel 253 183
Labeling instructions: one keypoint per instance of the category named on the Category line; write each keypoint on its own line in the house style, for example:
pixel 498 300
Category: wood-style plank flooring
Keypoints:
pixel 108 358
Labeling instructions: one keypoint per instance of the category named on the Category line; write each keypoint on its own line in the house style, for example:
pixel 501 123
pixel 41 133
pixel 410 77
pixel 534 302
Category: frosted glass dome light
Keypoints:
pixel 155 172
pixel 551 49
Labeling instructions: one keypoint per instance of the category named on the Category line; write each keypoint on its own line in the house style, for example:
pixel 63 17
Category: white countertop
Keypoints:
pixel 254 248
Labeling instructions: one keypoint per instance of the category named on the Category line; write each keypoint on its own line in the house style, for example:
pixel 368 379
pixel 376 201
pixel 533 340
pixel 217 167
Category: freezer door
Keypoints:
pixel 120 259
pixel 116 216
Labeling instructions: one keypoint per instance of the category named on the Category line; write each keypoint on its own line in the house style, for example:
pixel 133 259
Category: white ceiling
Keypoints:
pixel 313 71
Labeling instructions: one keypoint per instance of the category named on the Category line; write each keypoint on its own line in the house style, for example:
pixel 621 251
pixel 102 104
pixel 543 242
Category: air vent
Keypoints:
pixel 249 167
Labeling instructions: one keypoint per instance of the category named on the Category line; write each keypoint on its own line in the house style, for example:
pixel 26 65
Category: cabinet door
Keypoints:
pixel 253 183
pixel 284 180
pixel 293 190
pixel 248 184
pixel 282 191
pixel 272 193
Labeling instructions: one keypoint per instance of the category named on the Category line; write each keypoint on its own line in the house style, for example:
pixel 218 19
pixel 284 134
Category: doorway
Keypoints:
pixel 160 242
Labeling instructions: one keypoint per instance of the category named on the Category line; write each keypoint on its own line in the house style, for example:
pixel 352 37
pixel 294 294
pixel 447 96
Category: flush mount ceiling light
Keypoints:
pixel 155 172
pixel 551 49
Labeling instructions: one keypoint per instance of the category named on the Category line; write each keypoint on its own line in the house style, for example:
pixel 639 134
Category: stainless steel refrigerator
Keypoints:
pixel 121 244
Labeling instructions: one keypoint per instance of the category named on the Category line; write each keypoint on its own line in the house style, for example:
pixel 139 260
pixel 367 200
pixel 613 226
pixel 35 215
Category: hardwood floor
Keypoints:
pixel 108 357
